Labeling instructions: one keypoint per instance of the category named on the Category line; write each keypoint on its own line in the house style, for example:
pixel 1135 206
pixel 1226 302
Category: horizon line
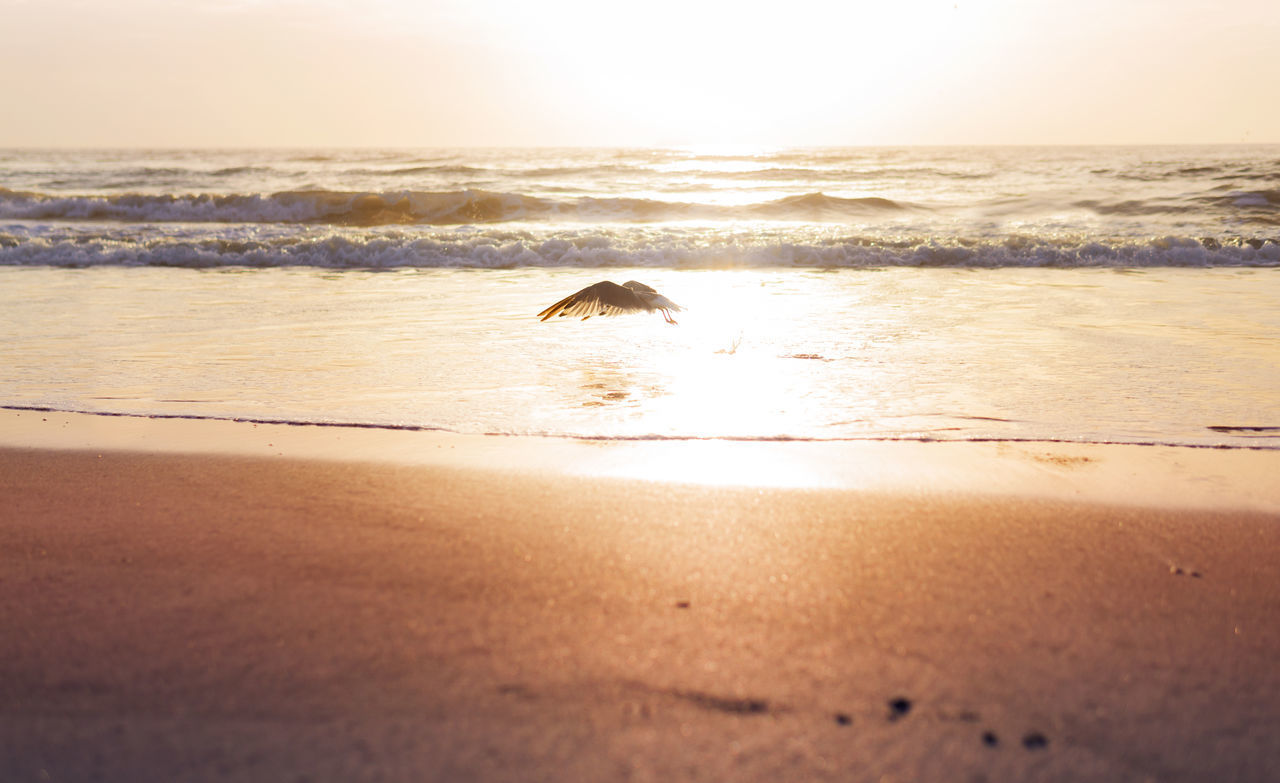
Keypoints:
pixel 689 146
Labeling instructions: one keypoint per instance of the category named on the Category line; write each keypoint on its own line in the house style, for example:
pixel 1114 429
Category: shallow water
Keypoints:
pixel 1152 356
pixel 1098 294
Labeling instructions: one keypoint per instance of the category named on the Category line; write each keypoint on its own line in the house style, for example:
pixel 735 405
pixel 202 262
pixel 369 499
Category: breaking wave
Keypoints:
pixel 459 207
pixel 637 247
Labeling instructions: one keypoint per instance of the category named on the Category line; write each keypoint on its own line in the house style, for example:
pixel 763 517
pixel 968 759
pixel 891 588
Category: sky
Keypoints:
pixel 429 73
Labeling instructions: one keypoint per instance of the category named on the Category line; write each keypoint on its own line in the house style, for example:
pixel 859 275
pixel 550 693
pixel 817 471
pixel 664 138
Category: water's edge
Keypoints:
pixel 357 425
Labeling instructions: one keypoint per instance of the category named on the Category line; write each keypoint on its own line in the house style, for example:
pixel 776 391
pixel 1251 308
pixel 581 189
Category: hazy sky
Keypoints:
pixel 572 72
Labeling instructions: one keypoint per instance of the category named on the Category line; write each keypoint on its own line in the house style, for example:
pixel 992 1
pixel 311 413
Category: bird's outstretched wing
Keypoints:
pixel 603 298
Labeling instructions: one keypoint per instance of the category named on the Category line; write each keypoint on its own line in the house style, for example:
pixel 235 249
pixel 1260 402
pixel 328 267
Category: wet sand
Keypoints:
pixel 171 615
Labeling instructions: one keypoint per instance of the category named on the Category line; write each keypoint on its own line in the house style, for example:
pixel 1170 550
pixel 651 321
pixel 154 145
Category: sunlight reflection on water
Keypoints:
pixel 1077 354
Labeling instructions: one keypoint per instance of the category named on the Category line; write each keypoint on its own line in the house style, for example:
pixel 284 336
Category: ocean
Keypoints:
pixel 1079 294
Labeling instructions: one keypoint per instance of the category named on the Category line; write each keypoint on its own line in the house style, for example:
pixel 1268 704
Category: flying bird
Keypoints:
pixel 608 298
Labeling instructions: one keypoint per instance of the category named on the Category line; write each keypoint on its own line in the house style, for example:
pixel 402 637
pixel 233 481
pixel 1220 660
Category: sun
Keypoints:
pixel 682 72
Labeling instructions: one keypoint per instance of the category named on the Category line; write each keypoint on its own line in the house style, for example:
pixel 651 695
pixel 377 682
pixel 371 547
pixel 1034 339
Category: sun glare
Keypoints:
pixel 722 368
pixel 693 73
pixel 666 73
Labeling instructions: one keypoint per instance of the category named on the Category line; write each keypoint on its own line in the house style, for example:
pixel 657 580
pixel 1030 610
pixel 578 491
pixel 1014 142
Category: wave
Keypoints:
pixel 416 207
pixel 1264 205
pixel 507 249
pixel 477 206
pixel 424 169
pixel 819 205
pixel 238 171
pixel 1260 206
pixel 842 175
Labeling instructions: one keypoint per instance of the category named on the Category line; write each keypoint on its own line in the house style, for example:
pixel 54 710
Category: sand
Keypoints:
pixel 222 601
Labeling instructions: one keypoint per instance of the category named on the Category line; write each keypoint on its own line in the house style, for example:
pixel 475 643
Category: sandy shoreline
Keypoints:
pixel 505 615
pixel 1146 476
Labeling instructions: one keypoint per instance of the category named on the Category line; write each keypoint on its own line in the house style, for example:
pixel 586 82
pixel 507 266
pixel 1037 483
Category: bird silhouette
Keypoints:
pixel 609 298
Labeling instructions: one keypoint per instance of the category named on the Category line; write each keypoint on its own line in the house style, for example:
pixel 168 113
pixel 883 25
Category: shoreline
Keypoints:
pixel 1175 477
pixel 201 602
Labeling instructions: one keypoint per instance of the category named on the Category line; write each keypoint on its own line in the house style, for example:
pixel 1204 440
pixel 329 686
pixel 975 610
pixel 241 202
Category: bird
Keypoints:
pixel 609 298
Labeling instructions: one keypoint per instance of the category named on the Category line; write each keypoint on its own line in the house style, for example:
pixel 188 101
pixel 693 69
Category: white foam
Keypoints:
pixel 487 249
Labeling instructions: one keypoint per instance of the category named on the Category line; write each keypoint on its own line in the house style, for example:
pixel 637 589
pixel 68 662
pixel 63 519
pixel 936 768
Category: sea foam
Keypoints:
pixel 197 247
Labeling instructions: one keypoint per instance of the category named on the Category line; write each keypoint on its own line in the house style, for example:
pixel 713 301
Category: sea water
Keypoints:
pixel 1080 294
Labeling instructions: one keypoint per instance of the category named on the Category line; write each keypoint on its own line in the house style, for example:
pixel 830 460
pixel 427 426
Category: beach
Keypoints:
pixel 195 600
pixel 496 392
pixel 958 466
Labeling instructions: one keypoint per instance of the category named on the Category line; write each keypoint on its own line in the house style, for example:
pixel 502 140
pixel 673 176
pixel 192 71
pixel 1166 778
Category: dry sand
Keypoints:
pixel 488 609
